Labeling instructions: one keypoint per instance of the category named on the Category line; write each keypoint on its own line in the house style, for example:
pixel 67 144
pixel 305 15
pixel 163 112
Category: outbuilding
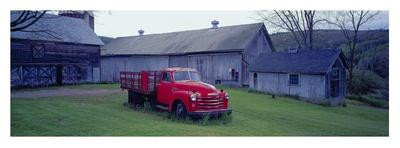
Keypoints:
pixel 316 76
pixel 221 54
pixel 56 49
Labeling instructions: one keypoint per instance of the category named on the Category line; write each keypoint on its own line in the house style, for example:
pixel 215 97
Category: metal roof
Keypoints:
pixel 304 61
pixel 179 69
pixel 229 38
pixel 58 29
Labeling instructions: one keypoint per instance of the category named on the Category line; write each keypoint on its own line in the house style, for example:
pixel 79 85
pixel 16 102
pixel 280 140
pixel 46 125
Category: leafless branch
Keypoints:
pixel 26 19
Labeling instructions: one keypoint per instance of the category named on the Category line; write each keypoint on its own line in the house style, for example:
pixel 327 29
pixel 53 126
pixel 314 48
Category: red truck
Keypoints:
pixel 176 90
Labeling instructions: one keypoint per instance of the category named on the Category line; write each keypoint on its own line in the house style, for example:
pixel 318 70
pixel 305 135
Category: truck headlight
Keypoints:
pixel 227 96
pixel 193 97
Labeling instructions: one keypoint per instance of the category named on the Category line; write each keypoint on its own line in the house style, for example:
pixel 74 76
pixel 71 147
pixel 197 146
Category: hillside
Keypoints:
pixel 371 60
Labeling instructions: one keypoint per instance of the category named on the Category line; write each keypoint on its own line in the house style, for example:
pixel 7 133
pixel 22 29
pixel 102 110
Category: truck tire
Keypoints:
pixel 180 110
pixel 135 99
pixel 153 101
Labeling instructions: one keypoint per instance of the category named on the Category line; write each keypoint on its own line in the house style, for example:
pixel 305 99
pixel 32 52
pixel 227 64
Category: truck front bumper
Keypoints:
pixel 210 113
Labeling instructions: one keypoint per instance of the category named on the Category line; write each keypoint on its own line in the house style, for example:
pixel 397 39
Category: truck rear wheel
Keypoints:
pixel 135 99
pixel 180 110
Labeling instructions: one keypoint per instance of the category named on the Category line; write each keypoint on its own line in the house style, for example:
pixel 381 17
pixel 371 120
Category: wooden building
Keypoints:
pixel 221 54
pixel 57 49
pixel 316 76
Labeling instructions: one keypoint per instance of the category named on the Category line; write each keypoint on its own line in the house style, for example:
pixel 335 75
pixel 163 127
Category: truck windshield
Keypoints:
pixel 187 75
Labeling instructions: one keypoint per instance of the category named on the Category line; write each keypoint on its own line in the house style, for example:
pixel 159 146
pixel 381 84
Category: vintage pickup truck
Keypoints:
pixel 177 90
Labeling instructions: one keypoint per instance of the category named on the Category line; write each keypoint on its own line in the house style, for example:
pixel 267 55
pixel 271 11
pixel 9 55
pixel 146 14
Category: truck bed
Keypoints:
pixel 141 82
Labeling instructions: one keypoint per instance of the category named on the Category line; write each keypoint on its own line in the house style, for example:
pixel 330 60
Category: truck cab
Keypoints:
pixel 177 90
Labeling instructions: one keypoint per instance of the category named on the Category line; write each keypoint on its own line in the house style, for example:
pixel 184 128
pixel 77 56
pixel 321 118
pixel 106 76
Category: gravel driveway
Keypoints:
pixel 61 92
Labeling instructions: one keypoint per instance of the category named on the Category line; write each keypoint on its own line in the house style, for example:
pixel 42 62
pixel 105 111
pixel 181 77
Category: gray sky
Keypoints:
pixel 126 23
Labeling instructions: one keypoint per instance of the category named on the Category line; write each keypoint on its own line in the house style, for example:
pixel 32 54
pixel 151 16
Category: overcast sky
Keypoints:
pixel 126 23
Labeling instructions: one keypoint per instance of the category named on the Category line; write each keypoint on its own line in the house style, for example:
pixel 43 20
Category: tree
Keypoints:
pixel 26 19
pixel 350 23
pixel 299 23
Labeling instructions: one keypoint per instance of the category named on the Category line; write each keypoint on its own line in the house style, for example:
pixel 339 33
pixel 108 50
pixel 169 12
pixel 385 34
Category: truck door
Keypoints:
pixel 164 88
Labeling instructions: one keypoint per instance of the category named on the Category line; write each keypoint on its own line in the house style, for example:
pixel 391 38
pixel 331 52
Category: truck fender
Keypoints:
pixel 182 96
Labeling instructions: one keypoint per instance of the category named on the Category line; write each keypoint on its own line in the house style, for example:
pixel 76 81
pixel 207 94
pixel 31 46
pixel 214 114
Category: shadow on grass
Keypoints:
pixel 223 119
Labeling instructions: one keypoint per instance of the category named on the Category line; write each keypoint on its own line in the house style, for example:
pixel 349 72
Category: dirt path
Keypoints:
pixel 62 92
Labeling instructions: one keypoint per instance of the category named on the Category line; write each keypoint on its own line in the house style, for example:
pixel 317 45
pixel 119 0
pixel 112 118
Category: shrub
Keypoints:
pixel 365 82
pixel 370 101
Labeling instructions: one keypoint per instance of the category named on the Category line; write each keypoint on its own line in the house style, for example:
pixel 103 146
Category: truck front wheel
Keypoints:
pixel 180 110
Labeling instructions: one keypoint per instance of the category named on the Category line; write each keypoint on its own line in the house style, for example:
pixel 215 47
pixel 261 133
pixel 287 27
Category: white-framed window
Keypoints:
pixel 294 79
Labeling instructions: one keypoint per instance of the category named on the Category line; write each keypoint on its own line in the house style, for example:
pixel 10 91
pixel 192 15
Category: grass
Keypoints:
pixel 369 100
pixel 254 114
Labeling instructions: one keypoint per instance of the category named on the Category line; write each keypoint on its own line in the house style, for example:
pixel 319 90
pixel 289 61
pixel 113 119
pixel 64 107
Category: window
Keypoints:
pixel 181 75
pixel 335 73
pixel 293 79
pixel 38 51
pixel 187 75
pixel 166 77
pixel 234 74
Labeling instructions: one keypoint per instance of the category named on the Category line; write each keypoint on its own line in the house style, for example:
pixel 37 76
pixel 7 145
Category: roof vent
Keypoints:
pixel 293 50
pixel 140 32
pixel 214 24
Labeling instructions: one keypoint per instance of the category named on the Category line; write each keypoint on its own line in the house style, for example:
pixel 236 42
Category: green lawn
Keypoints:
pixel 254 114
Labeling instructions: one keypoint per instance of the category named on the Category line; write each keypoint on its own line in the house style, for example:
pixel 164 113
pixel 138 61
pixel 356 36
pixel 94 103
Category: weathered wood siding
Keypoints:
pixel 178 61
pixel 111 66
pixel 35 63
pixel 311 87
pixel 257 46
pixel 212 67
pixel 339 99
pixel 215 67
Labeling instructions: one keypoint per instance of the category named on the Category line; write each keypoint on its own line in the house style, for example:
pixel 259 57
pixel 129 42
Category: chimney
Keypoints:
pixel 140 32
pixel 293 50
pixel 89 18
pixel 214 24
pixel 85 15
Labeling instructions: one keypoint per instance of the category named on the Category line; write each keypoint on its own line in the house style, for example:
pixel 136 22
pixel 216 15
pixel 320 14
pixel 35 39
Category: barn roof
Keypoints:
pixel 229 38
pixel 304 61
pixel 57 28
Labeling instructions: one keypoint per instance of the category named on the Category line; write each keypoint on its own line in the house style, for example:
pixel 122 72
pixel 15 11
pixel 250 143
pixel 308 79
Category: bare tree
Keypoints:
pixel 26 19
pixel 350 23
pixel 299 23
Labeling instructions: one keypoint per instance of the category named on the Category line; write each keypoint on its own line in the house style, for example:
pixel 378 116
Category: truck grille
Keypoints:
pixel 210 103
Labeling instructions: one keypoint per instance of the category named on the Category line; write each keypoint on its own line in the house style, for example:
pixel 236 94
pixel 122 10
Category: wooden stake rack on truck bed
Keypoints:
pixel 144 82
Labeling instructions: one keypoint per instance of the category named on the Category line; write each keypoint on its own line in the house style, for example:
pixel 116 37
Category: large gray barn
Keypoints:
pixel 220 54
pixel 316 76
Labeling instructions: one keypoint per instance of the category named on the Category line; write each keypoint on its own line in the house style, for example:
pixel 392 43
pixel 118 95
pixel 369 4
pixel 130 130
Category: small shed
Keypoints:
pixel 316 76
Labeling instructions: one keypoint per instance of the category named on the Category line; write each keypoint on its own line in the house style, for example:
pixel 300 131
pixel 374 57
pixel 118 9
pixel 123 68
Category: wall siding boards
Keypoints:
pixel 111 66
pixel 310 88
pixel 316 88
pixel 29 68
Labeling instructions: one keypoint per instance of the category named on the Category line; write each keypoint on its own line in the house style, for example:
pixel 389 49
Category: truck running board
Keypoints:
pixel 162 107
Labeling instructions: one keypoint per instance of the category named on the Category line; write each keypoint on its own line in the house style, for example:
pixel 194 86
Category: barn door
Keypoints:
pixel 16 78
pixel 59 74
pixel 335 82
pixel 71 74
pixel 245 74
pixel 255 81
